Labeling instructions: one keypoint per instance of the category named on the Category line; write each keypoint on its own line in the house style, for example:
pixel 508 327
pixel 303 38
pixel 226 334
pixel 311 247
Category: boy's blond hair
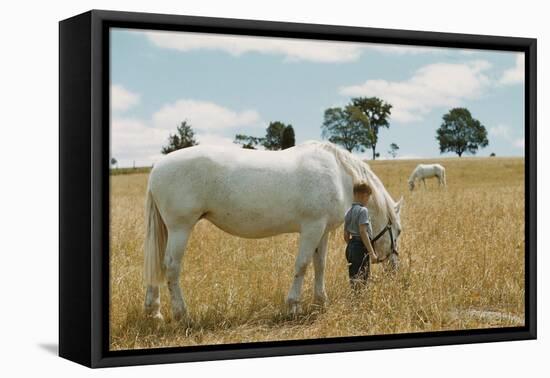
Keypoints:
pixel 362 187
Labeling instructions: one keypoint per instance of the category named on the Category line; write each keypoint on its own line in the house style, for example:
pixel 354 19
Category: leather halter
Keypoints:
pixel 388 228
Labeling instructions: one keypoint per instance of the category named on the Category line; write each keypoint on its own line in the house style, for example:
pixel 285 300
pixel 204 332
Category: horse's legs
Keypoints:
pixel 175 249
pixel 319 260
pixel 310 237
pixel 424 181
pixel 152 302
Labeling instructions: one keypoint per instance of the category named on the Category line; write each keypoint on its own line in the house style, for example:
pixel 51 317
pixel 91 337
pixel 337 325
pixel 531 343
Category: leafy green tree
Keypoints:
pixel 346 127
pixel 273 139
pixel 274 136
pixel 288 140
pixel 378 112
pixel 114 162
pixel 461 133
pixel 248 142
pixel 183 138
pixel 393 150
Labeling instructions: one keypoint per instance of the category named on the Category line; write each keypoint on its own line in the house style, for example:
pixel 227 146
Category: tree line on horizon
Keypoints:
pixel 355 127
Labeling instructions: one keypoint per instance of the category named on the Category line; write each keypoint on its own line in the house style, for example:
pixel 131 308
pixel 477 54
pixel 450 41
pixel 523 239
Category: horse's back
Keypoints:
pixel 239 189
pixel 427 167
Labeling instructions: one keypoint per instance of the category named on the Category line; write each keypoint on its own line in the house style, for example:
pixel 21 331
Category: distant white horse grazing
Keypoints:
pixel 256 194
pixel 424 171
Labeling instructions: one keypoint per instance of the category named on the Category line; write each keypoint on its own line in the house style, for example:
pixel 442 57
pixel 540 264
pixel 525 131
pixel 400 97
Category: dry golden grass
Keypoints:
pixel 462 267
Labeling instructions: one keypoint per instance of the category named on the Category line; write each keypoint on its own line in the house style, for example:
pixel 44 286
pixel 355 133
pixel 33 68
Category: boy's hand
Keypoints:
pixel 374 255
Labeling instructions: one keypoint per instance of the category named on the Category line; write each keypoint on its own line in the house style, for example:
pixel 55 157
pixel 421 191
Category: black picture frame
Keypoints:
pixel 84 187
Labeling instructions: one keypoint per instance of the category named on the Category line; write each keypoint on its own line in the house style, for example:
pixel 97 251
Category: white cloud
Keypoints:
pixel 132 140
pixel 203 115
pixel 501 131
pixel 519 143
pixel 432 86
pixel 405 49
pixel 504 132
pixel 292 49
pixel 515 75
pixel 216 140
pixel 122 99
pixel 137 140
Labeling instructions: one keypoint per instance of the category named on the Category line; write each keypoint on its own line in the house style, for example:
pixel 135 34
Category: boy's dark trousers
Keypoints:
pixel 358 261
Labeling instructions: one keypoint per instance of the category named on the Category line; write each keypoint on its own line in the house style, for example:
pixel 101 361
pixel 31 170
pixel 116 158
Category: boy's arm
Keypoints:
pixel 366 240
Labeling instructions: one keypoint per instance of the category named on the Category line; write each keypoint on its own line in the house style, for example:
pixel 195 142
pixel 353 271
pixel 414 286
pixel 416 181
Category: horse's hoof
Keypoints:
pixel 179 316
pixel 155 315
pixel 158 317
pixel 293 307
pixel 320 300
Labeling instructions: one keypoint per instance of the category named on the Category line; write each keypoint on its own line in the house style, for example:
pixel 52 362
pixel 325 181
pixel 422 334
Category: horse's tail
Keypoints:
pixel 155 243
pixel 444 176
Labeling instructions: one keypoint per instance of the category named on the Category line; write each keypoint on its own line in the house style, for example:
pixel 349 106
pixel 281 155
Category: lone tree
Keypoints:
pixel 274 136
pixel 378 112
pixel 183 138
pixel 114 162
pixel 273 139
pixel 346 127
pixel 393 150
pixel 460 133
pixel 288 140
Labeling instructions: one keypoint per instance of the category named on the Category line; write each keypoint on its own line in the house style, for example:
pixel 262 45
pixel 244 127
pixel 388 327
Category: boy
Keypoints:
pixel 357 234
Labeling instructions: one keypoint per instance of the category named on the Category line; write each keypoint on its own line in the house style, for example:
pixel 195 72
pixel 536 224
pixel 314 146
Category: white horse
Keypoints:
pixel 256 194
pixel 424 171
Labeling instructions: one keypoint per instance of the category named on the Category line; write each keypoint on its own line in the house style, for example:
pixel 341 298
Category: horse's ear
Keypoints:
pixel 398 205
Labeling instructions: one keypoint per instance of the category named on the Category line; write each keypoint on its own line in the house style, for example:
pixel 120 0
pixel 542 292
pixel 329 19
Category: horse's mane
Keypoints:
pixel 361 172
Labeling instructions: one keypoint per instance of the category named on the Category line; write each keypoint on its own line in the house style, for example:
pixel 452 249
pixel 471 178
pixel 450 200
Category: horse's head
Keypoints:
pixel 411 185
pixel 387 240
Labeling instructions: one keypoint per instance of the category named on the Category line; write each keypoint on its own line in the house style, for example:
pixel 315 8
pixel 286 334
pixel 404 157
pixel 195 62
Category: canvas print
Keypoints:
pixel 269 189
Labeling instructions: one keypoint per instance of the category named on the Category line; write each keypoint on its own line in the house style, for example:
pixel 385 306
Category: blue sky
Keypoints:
pixel 227 85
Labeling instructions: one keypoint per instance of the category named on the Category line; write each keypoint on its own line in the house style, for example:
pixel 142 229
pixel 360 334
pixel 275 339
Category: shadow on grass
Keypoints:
pixel 210 320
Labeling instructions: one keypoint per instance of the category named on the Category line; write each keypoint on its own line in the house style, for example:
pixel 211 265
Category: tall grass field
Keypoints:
pixel 462 267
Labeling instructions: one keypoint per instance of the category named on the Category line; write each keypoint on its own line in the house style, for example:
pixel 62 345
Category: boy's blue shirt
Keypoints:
pixel 356 216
